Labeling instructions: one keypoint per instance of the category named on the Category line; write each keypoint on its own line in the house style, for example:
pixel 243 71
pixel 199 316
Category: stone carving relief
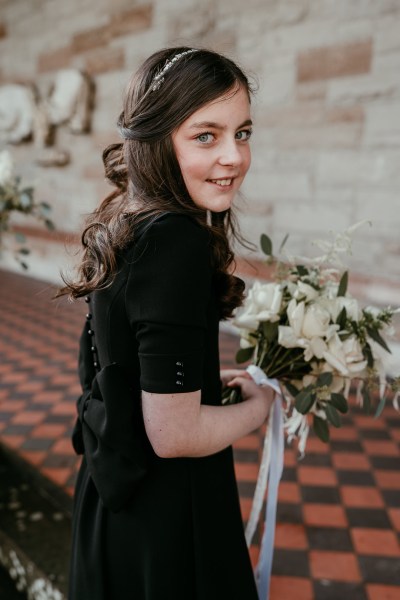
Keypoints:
pixel 24 115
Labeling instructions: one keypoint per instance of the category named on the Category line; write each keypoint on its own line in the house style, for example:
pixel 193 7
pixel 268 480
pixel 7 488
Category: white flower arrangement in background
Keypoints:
pixel 16 198
pixel 306 330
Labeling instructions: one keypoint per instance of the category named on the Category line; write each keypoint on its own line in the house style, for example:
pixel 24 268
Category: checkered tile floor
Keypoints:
pixel 338 524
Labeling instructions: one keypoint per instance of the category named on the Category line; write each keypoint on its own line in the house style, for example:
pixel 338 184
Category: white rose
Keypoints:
pixel 316 321
pixel 295 313
pixel 263 303
pixel 305 291
pixel 346 357
pixel 350 304
pixel 6 167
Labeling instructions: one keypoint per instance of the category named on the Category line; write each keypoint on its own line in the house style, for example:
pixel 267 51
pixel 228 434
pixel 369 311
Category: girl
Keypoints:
pixel 156 511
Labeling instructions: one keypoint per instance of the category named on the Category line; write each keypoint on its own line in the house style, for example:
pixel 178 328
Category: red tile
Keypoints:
pixel 14 377
pixel 282 588
pixel 70 490
pixel 63 446
pixel 44 397
pixel 12 405
pixel 49 430
pixel 35 457
pixel 395 433
pixel 347 460
pixel 13 441
pixel 339 566
pixel 59 476
pixel 245 507
pixel 377 591
pixel 30 386
pixel 64 408
pixel 290 536
pixel 388 479
pixel 361 496
pixel 249 442
pixel 315 445
pixel 324 515
pixel 394 514
pixel 291 458
pixel 246 471
pixel 254 552
pixel 381 448
pixel 288 492
pixel 344 433
pixel 316 476
pixel 368 422
pixel 28 418
pixel 378 542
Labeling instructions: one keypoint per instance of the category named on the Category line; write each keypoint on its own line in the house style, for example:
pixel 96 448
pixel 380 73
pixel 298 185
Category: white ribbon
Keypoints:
pixel 270 473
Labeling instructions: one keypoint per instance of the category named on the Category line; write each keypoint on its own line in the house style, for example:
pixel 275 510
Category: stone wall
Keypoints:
pixel 326 149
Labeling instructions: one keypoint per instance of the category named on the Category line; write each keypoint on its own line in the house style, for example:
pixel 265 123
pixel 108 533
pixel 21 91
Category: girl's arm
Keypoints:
pixel 178 425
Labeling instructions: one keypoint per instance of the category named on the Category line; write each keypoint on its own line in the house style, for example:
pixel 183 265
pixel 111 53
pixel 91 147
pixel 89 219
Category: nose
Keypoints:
pixel 231 153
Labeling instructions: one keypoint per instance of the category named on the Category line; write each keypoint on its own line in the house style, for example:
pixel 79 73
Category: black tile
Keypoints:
pixel 289 513
pixel 35 406
pixel 17 429
pixel 292 563
pixel 393 422
pixel 320 494
pixel 368 517
pixel 289 474
pixel 378 569
pixel 392 498
pixel 355 477
pixel 329 538
pixel 335 590
pixel 6 416
pixel 346 446
pixel 58 419
pixel 391 463
pixel 316 460
pixel 246 488
pixel 246 456
pixel 59 461
pixel 374 434
pixel 37 444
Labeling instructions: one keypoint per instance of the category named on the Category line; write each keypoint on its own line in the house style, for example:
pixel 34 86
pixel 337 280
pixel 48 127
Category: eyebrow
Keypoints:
pixel 213 125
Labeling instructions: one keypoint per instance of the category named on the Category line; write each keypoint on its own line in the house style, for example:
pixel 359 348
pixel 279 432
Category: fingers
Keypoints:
pixel 227 375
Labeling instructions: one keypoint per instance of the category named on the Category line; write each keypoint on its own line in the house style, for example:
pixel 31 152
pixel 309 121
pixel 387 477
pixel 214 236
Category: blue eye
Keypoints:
pixel 244 135
pixel 205 138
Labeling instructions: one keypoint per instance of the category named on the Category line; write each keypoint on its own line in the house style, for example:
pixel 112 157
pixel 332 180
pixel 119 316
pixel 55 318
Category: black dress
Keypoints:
pixel 147 528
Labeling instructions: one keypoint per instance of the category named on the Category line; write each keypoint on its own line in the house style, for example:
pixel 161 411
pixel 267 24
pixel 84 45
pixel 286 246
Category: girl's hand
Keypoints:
pixel 228 375
pixel 251 391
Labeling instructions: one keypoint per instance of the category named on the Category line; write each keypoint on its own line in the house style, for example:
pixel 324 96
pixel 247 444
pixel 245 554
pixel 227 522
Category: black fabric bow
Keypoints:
pixel 110 432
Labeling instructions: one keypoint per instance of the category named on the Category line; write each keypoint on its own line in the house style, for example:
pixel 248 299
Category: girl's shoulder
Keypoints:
pixel 173 229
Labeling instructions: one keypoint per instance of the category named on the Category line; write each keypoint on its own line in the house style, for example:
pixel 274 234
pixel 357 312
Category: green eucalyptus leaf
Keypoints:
pixel 283 242
pixel 292 389
pixel 339 402
pixel 342 318
pixel 305 399
pixel 321 428
pixel 332 415
pixel 244 354
pixel 367 353
pixel 380 407
pixel 270 330
pixel 49 224
pixel 302 270
pixel 24 251
pixel 23 265
pixel 367 400
pixel 344 280
pixel 324 379
pixel 376 336
pixel 266 244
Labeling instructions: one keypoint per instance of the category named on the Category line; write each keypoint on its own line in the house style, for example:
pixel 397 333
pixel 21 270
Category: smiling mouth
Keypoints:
pixel 221 182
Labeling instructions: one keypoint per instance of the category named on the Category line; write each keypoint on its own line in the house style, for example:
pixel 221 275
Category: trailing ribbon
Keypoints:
pixel 269 474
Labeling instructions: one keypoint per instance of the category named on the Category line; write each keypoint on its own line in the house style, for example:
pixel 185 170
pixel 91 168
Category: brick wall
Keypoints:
pixel 326 150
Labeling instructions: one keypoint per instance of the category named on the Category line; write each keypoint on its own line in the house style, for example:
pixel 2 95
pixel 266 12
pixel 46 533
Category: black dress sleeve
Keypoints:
pixel 167 294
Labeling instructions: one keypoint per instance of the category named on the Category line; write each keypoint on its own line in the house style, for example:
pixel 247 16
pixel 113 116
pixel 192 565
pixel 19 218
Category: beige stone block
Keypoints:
pixel 347 9
pixel 382 126
pixel 91 38
pixel 104 59
pixel 277 79
pixel 311 91
pixel 362 88
pixel 380 206
pixel 314 219
pixel 334 61
pixel 128 22
pixel 386 34
pixel 54 59
pixel 355 167
pixel 278 184
pixel 323 135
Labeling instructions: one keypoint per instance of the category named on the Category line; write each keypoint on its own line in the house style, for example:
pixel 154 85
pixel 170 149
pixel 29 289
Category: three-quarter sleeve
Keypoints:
pixel 167 295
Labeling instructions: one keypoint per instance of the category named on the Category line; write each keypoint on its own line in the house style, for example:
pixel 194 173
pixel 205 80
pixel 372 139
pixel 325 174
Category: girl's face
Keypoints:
pixel 213 151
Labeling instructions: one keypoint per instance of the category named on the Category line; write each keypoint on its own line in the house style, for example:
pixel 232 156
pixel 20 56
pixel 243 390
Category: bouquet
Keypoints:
pixel 15 198
pixel 306 330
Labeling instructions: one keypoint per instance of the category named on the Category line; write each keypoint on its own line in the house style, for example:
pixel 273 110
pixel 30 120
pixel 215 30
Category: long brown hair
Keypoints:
pixel 145 171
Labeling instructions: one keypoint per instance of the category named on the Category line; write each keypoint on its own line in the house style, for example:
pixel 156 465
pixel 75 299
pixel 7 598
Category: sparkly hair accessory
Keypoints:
pixel 159 78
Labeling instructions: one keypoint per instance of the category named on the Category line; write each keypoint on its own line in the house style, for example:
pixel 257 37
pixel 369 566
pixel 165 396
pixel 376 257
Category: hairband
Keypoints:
pixel 159 78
